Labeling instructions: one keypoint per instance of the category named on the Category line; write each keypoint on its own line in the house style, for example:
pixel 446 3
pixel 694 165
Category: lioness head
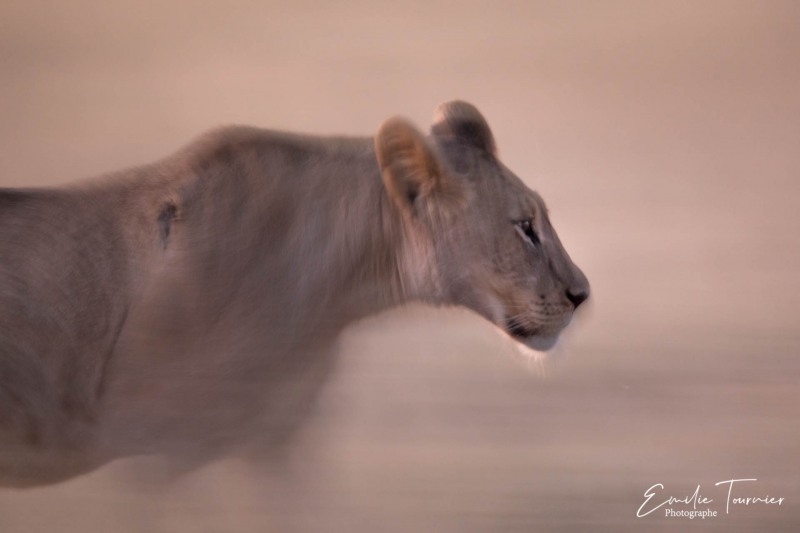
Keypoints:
pixel 474 234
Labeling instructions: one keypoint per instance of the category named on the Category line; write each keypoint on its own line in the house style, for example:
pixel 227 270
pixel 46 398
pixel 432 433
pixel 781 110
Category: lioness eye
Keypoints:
pixel 526 226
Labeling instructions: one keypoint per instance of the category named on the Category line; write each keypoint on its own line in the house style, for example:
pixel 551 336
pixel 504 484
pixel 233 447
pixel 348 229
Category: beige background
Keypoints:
pixel 663 136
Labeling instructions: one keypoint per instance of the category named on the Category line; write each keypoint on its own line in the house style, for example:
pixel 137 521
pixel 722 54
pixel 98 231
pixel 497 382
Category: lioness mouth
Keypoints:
pixel 516 329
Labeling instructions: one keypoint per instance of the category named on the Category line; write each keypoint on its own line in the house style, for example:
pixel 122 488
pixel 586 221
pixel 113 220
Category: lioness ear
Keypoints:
pixel 463 121
pixel 409 167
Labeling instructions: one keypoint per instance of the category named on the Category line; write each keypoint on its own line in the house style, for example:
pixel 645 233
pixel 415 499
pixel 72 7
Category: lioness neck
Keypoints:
pixel 312 212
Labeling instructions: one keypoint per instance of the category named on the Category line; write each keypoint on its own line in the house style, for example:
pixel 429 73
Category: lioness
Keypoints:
pixel 172 302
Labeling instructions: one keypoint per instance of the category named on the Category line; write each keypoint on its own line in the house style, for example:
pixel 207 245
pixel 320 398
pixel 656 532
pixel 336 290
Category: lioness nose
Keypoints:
pixel 577 297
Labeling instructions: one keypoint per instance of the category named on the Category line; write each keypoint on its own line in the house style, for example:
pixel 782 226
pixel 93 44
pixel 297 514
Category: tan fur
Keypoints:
pixel 178 301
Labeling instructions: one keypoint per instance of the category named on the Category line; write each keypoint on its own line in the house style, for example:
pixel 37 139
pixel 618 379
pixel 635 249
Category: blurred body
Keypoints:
pixel 198 298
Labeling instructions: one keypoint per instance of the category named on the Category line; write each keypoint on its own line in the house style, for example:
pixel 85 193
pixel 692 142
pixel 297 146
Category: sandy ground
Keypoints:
pixel 663 136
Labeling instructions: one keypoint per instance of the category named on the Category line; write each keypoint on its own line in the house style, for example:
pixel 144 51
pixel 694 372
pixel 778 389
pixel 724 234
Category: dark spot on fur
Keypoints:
pixel 411 195
pixel 165 218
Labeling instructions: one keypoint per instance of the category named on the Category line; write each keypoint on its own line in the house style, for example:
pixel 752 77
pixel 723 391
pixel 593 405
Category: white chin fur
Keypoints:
pixel 532 355
pixel 540 344
pixel 533 351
